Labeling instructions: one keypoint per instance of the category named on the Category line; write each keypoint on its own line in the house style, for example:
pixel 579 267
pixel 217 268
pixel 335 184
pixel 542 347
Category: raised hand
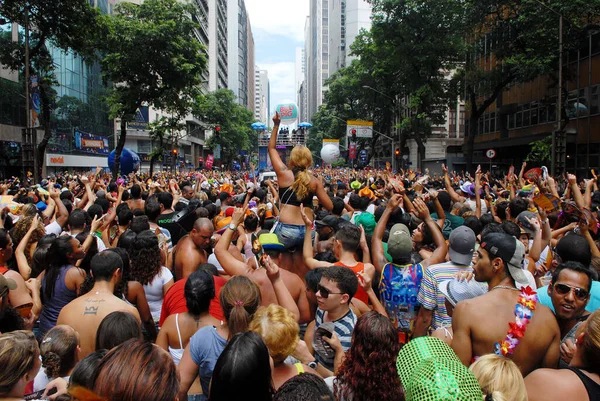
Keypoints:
pixel 276 119
pixel 421 208
pixel 306 219
pixel 394 201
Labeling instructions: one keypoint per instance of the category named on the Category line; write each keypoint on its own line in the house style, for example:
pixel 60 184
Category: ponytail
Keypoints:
pixel 301 185
pixel 240 297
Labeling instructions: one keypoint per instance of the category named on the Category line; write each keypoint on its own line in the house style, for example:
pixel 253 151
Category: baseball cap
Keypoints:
pixel 523 223
pixel 468 188
pixel 367 221
pixel 462 245
pixel 221 223
pixel 510 250
pixel 6 284
pixel 456 291
pixel 328 221
pixel 270 241
pixel 399 242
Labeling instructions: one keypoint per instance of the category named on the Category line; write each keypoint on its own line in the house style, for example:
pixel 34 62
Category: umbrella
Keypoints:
pixel 305 125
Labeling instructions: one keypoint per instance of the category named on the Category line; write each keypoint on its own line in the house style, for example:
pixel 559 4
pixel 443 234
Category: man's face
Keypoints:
pixel 482 266
pixel 329 295
pixel 564 294
pixel 202 237
pixel 188 193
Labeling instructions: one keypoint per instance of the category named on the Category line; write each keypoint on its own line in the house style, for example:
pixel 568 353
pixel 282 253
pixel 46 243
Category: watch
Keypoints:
pixel 312 365
pixel 232 227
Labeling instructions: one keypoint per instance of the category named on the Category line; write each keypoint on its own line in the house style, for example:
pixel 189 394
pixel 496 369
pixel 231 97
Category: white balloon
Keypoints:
pixel 330 153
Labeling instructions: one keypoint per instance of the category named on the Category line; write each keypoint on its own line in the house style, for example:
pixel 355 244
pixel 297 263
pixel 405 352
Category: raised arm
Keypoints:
pixel 477 189
pixel 453 195
pixel 62 215
pixel 575 190
pixel 278 164
pixel 307 248
pixel 22 264
pixel 231 265
pixel 378 255
pixel 439 255
pixel 284 298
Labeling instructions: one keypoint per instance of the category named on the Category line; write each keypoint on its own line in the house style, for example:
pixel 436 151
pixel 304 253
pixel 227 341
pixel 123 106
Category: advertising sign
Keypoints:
pixel 35 101
pixel 362 129
pixel 352 151
pixel 363 156
pixel 288 113
pixel 141 119
pixel 90 143
pixel 209 161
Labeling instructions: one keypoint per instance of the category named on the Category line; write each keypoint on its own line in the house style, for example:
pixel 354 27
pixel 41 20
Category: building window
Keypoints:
pixel 594 100
pixel 519 117
pixel 534 113
pixel 526 115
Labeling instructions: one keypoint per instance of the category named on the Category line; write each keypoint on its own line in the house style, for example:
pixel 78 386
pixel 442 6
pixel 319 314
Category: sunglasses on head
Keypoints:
pixel 325 292
pixel 564 289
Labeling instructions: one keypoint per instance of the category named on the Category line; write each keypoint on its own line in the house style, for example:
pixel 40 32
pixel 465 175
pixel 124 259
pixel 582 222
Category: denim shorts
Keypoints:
pixel 291 235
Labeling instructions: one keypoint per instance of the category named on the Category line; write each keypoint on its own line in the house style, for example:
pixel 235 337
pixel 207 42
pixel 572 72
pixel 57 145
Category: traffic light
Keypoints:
pixel 174 151
pixel 397 152
pixel 217 129
pixel 353 135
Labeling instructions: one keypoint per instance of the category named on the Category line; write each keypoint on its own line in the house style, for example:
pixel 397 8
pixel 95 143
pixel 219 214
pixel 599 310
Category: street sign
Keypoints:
pixel 363 155
pixel 490 154
pixel 352 151
pixel 362 129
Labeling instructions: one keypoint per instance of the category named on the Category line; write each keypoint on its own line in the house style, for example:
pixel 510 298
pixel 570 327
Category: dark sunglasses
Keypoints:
pixel 564 289
pixel 325 292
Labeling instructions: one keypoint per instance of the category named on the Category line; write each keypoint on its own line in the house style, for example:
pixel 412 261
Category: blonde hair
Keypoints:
pixel 300 161
pixel 18 352
pixel 591 342
pixel 499 377
pixel 278 329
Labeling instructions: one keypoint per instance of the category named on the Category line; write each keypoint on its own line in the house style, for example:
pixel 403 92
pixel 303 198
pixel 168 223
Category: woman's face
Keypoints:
pixel 77 251
pixel 417 235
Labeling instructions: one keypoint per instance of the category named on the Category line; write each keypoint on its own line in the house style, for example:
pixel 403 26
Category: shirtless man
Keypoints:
pixel 136 201
pixel 235 267
pixel 190 251
pixel 86 313
pixel 481 322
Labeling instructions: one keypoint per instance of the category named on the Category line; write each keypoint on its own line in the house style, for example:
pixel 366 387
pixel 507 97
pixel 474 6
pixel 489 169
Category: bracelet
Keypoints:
pixel 545 221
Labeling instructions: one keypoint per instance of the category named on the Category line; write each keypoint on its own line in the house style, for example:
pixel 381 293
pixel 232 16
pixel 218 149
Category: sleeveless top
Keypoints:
pixel 287 196
pixel 360 293
pixel 592 388
pixel 61 296
pixel 177 353
pixel 343 328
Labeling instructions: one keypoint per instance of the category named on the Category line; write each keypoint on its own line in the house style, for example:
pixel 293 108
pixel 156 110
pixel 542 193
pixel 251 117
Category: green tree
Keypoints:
pixel 69 25
pixel 219 108
pixel 541 151
pixel 165 134
pixel 153 58
pixel 523 37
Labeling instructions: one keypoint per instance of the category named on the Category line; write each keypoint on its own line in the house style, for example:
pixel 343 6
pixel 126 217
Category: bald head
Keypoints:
pixel 204 224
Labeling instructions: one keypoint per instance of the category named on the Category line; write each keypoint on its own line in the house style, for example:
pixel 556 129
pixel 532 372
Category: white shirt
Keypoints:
pixel 154 291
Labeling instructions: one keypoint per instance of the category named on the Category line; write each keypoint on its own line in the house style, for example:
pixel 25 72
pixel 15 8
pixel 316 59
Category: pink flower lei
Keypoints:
pixel 523 314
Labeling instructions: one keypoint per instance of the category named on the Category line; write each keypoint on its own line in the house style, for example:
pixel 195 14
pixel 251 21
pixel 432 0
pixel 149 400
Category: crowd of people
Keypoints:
pixel 324 284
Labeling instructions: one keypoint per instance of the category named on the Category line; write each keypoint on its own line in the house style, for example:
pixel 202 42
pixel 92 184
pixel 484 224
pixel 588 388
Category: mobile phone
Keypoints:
pixel 38 394
pixel 113 230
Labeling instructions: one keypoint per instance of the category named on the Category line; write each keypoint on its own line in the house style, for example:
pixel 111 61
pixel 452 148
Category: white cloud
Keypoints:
pixel 281 78
pixel 285 18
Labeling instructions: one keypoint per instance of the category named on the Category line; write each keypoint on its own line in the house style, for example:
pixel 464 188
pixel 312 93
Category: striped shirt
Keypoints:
pixel 430 297
pixel 343 328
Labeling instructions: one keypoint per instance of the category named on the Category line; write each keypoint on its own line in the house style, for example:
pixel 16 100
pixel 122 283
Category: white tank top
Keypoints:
pixel 176 354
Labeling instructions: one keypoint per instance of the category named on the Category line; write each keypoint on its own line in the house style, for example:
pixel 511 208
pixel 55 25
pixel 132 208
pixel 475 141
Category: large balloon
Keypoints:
pixel 130 161
pixel 287 112
pixel 330 153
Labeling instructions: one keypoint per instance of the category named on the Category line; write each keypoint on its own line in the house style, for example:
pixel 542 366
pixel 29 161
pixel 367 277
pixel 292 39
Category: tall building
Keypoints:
pixel 262 102
pixel 317 52
pixel 217 48
pixel 240 53
pixel 346 19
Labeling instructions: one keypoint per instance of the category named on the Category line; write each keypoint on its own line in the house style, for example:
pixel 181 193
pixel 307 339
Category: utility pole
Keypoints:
pixel 558 137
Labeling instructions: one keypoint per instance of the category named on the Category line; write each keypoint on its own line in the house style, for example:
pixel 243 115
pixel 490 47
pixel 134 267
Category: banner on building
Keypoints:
pixel 90 143
pixel 140 120
pixel 209 161
pixel 362 129
pixel 352 151
pixel 35 101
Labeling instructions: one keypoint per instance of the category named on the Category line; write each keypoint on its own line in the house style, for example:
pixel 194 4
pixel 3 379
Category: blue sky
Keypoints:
pixel 278 28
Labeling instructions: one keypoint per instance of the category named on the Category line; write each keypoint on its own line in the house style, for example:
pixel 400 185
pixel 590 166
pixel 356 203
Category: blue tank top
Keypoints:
pixel 61 296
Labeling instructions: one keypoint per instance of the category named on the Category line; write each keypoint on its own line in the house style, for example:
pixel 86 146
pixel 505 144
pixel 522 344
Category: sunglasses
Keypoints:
pixel 564 289
pixel 325 292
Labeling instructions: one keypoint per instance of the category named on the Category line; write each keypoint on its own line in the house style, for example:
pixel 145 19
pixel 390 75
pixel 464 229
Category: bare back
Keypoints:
pixel 485 320
pixel 187 258
pixel 136 204
pixel 86 313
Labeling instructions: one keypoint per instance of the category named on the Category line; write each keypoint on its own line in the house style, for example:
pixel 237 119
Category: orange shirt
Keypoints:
pixel 360 293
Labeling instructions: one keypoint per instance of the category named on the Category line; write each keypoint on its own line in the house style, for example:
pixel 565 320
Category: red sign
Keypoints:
pixel 209 161
pixel 352 151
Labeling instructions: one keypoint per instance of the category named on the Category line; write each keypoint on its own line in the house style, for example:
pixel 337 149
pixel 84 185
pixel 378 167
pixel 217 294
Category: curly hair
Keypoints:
pixel 372 354
pixel 278 329
pixel 21 229
pixel 59 351
pixel 145 257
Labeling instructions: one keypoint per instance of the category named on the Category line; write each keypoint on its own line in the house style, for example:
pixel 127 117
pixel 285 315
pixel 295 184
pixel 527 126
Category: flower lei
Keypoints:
pixel 523 314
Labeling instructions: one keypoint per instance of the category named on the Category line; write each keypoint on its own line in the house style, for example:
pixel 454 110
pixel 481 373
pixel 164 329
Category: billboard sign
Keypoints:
pixel 209 161
pixel 90 143
pixel 140 120
pixel 362 129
